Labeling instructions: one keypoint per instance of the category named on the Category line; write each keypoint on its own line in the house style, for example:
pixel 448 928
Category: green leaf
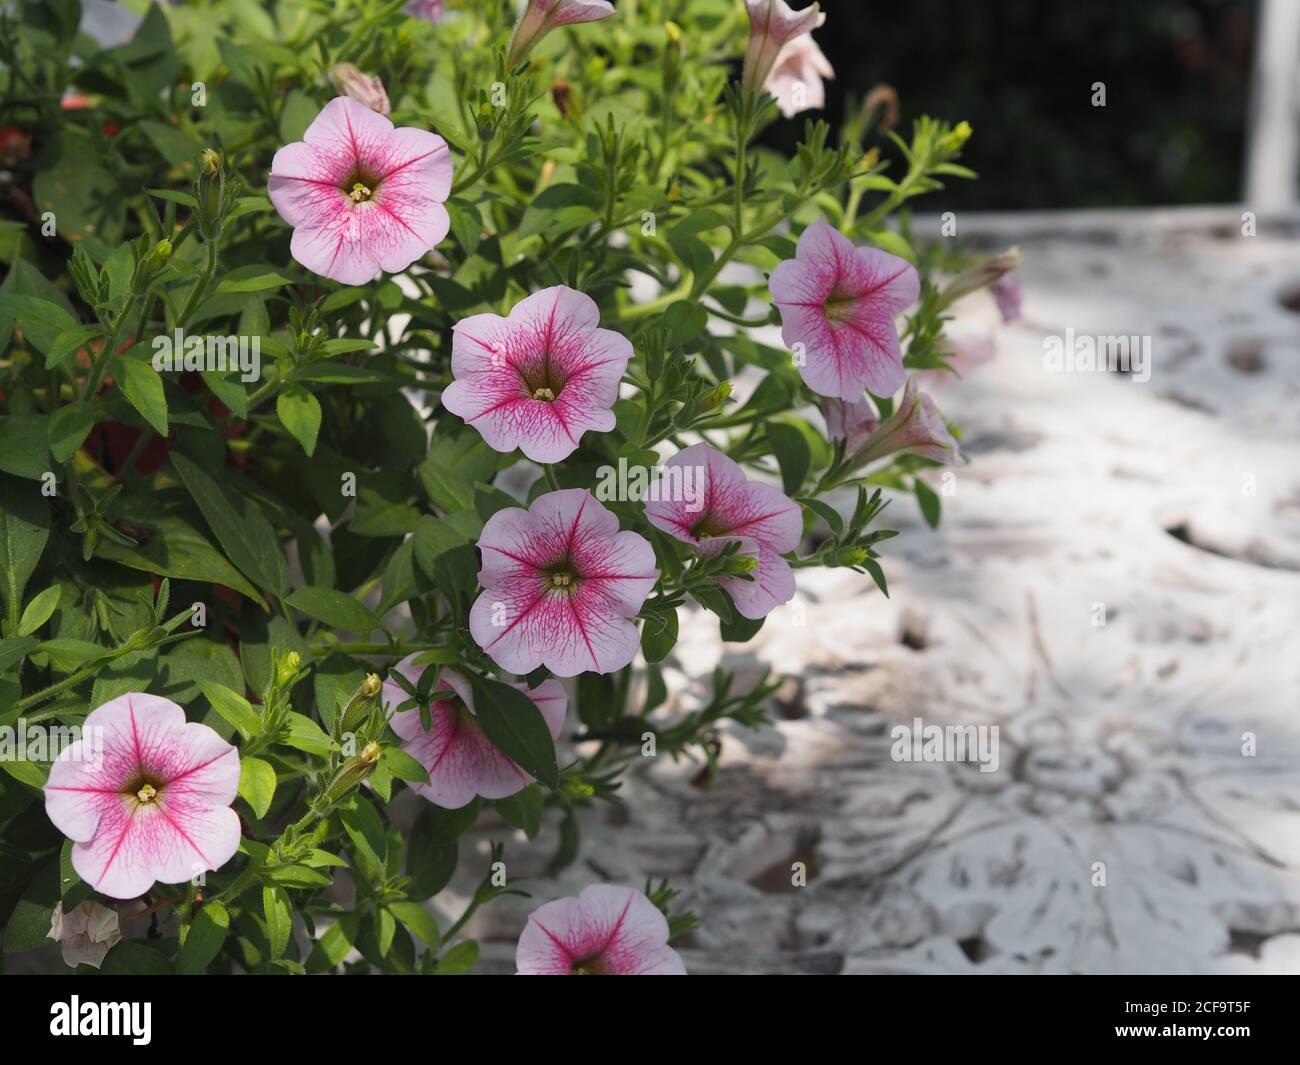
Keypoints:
pixel 515 726
pixel 24 450
pixel 41 322
pixel 523 809
pixel 234 708
pixel 68 655
pixel 67 429
pixel 792 454
pixel 204 939
pixel 279 918
pixel 306 735
pixel 15 650
pixel 29 925
pixel 336 609
pixel 143 388
pixel 38 611
pixel 418 922
pixel 177 549
pixel 461 958
pixel 255 278
pixel 338 940
pixel 299 412
pixel 240 527
pixel 658 636
pixel 403 766
pixel 68 342
pixel 257 784
pixel 931 508
pixel 298 113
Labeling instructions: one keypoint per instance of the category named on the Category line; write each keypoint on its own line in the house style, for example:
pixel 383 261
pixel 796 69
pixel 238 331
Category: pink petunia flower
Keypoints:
pixel 85 934
pixel 851 422
pixel 560 586
pixel 151 803
pixel 773 25
pixel 964 353
pixel 605 931
pixel 459 758
pixel 837 309
pixel 364 88
pixel 432 10
pixel 542 16
pixel 540 378
pixel 796 79
pixel 1007 294
pixel 362 196
pixel 916 426
pixel 766 523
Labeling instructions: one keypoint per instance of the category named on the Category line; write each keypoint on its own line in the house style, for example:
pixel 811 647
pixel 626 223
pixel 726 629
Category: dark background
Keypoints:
pixel 1177 75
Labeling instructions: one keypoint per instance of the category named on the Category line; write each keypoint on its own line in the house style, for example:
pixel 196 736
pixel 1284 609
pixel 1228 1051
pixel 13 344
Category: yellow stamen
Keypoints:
pixel 147 793
pixel 561 580
pixel 359 192
pixel 544 394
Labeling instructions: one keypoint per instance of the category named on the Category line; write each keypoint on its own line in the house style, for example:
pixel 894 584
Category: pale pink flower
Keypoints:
pixel 759 516
pixel 364 88
pixel 459 758
pixel 916 426
pixel 773 25
pixel 145 797
pixel 1007 294
pixel 851 422
pixel 560 586
pixel 85 934
pixel 796 79
pixel 963 354
pixel 432 10
pixel 542 16
pixel 837 306
pixel 540 378
pixel 606 931
pixel 362 196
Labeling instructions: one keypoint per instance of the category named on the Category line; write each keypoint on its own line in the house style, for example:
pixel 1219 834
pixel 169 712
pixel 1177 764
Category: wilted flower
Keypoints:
pixel 151 802
pixel 542 16
pixel 85 934
pixel 362 196
pixel 837 306
pixel 364 88
pixel 560 586
pixel 773 25
pixel 916 426
pixel 796 79
pixel 850 421
pixel 540 378
pixel 735 509
pixel 460 760
pixel 606 931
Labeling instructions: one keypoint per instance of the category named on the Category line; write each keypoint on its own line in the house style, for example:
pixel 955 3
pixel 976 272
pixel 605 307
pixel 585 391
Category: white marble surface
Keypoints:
pixel 1120 744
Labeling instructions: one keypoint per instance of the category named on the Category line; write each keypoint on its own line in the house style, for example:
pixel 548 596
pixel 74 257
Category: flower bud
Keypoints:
pixel 739 565
pixel 364 88
pixel 209 190
pixel 989 272
pixel 162 251
pixel 542 16
pixel 916 426
pixel 361 704
pixel 209 162
pixel 354 771
pixel 716 396
pixel 853 556
pixel 773 25
pixel 286 671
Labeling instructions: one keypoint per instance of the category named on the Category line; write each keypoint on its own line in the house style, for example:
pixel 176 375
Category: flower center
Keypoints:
pixel 361 185
pixel 838 305
pixel 544 394
pixel 144 789
pixel 593 966
pixel 708 526
pixel 561 578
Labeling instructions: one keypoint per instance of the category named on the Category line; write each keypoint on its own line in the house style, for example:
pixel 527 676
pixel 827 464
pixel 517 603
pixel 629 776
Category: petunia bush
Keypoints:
pixel 382 384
